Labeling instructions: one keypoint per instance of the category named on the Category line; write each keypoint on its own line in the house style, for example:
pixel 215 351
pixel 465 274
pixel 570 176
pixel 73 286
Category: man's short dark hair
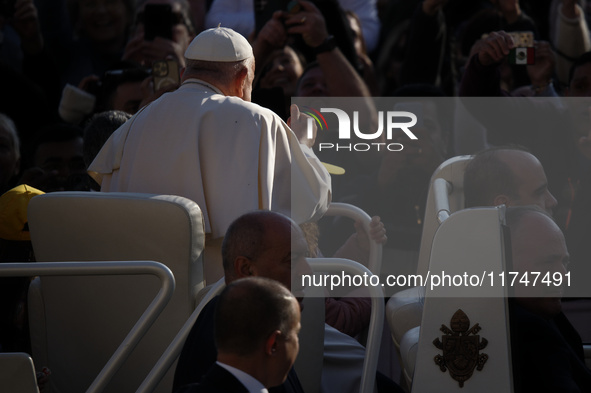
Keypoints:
pixel 488 175
pixel 248 311
pixel 119 73
pixel 98 129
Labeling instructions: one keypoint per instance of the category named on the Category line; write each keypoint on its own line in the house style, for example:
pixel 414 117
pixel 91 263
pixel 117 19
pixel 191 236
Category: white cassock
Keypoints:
pixel 228 155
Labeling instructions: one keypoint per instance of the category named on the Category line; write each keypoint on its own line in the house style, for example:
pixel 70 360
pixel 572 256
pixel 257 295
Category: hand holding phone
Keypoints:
pixel 523 52
pixel 264 10
pixel 165 73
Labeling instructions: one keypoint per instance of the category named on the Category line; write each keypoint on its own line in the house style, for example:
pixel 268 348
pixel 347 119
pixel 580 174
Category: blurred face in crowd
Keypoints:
pixel 282 70
pixel 127 97
pixel 103 21
pixel 63 162
pixel 538 245
pixel 313 84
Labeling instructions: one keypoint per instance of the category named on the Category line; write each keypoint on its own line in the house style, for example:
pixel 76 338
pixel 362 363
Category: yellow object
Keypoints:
pixel 13 212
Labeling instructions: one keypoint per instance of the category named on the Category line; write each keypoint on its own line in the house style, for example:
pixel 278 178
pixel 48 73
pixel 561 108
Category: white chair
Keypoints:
pixel 83 226
pixel 404 311
pixel 470 243
pixel 17 373
pixel 446 195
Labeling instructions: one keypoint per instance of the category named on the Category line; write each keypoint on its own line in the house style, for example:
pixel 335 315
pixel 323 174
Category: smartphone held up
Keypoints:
pixel 165 73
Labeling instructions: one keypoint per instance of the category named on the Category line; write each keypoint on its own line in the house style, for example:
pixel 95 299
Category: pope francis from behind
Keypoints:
pixel 207 142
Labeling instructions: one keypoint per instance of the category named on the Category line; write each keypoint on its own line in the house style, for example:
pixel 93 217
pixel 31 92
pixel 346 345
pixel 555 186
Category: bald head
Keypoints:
pixel 265 244
pixel 508 176
pixel 537 246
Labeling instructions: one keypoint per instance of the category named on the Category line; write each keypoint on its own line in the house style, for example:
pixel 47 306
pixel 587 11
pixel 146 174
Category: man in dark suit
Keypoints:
pixel 260 243
pixel 547 351
pixel 257 324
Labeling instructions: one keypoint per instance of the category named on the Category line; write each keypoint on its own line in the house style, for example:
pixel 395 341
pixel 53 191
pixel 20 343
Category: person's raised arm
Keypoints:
pixel 271 37
pixel 341 78
pixel 481 77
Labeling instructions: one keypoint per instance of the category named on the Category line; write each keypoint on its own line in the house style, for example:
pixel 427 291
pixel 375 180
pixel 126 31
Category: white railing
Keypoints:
pixel 100 269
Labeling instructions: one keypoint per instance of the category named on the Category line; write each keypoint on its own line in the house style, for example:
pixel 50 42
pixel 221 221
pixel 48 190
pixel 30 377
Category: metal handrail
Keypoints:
pixel 107 268
pixel 376 322
pixel 441 190
pixel 174 349
pixel 355 213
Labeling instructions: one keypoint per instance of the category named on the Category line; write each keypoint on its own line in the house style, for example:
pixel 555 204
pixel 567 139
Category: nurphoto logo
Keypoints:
pixel 395 121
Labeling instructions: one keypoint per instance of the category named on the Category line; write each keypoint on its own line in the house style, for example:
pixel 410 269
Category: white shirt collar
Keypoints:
pixel 251 383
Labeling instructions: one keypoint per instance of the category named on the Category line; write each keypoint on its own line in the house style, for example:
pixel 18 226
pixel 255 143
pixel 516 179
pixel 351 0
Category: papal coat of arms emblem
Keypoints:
pixel 461 347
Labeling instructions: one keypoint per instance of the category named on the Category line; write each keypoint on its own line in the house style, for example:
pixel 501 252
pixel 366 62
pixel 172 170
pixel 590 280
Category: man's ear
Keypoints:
pixel 501 199
pixel 239 83
pixel 272 342
pixel 243 267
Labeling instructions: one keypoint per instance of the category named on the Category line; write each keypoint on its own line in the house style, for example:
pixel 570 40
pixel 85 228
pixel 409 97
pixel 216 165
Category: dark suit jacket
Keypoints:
pixel 547 354
pixel 217 380
pixel 199 353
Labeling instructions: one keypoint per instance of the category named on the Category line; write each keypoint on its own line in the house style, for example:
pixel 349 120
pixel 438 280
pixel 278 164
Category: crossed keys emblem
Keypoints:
pixel 461 347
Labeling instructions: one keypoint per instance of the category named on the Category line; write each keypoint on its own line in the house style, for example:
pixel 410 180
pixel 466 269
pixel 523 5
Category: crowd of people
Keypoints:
pixel 194 98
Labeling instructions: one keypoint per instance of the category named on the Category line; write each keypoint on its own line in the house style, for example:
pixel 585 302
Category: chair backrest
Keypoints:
pixel 404 309
pixel 82 226
pixel 455 241
pixel 452 171
pixel 465 324
pixel 17 373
